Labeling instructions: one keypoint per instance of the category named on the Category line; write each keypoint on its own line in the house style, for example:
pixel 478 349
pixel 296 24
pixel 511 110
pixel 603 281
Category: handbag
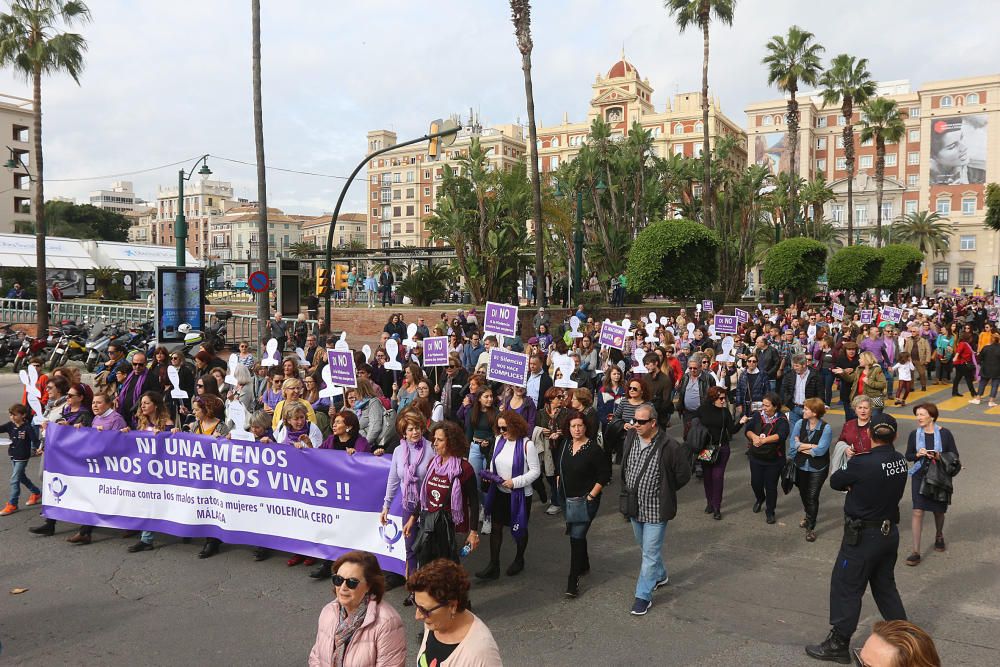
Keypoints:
pixel 878 402
pixel 575 510
pixel 788 475
pixel 628 499
pixel 710 454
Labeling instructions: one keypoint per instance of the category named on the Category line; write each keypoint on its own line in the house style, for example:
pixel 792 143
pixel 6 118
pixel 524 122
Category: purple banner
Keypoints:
pixel 341 364
pixel 314 502
pixel 507 367
pixel 838 311
pixel 613 335
pixel 435 351
pixel 866 316
pixel 708 306
pixel 727 324
pixel 500 318
pixel 890 314
pixel 743 316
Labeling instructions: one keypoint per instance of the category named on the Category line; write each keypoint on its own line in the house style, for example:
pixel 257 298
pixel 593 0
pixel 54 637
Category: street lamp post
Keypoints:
pixel 180 222
pixel 448 132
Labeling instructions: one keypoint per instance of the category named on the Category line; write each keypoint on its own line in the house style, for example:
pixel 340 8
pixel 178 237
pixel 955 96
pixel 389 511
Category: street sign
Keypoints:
pixel 259 282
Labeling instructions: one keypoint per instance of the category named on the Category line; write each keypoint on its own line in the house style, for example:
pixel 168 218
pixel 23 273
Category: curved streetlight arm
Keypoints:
pixel 15 161
pixel 190 172
pixel 343 194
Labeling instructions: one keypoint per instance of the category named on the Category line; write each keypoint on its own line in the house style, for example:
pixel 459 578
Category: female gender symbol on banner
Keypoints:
pixel 271 355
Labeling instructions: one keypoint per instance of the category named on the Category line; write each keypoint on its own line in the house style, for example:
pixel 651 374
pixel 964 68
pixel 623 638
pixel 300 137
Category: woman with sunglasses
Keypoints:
pixel 715 416
pixel 509 476
pixel 584 471
pixel 205 385
pixel 449 499
pixel 244 354
pixel 453 635
pixel 272 394
pixel 357 629
pixel 408 469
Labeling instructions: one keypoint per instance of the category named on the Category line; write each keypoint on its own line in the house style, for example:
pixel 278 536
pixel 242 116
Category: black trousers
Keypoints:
pixel 764 476
pixel 810 484
pixel 966 372
pixel 870 562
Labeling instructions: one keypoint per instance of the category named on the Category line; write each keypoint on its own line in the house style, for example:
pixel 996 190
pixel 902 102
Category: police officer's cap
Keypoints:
pixel 884 427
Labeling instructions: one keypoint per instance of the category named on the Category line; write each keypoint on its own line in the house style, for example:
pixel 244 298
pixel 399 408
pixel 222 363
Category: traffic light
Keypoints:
pixel 322 281
pixel 340 276
pixel 432 146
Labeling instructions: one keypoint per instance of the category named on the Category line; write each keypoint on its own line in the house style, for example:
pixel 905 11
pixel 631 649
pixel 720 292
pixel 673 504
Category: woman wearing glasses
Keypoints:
pixel 767 432
pixel 244 355
pixel 715 416
pixel 453 635
pixel 292 389
pixel 509 475
pixel 357 629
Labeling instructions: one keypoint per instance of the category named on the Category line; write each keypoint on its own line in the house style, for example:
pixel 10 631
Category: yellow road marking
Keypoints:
pixel 942 420
pixel 953 403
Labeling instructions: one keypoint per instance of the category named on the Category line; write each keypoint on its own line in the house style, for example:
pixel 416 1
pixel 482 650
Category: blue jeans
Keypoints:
pixel 888 379
pixel 18 477
pixel 994 383
pixel 826 375
pixel 794 416
pixel 649 536
pixel 147 536
pixel 478 461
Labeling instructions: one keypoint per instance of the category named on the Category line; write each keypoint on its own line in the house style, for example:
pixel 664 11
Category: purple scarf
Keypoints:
pixel 452 470
pixel 73 417
pixel 291 437
pixel 410 481
pixel 518 506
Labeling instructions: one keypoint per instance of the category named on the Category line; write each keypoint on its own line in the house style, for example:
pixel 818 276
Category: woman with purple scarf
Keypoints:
pixel 410 461
pixel 513 468
pixel 449 499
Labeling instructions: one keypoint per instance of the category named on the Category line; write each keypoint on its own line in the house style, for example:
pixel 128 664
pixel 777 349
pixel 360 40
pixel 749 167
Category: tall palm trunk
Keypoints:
pixel 847 110
pixel 793 149
pixel 879 179
pixel 38 203
pixel 263 299
pixel 708 207
pixel 536 183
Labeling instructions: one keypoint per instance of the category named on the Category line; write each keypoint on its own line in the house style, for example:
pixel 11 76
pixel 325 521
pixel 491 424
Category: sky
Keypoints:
pixel 168 81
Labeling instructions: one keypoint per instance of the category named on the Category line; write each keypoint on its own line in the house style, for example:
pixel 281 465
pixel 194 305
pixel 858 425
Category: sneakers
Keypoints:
pixel 8 509
pixel 487 527
pixel 975 401
pixel 833 649
pixel 992 404
pixel 659 584
pixel 295 560
pixel 913 559
pixel 553 510
pixel 33 499
pixel 640 607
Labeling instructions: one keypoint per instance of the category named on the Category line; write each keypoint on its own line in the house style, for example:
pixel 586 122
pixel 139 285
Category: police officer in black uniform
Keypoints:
pixel 874 482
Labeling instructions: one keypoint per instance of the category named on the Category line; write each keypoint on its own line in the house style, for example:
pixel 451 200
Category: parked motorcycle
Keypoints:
pixel 32 346
pixel 70 345
pixel 10 340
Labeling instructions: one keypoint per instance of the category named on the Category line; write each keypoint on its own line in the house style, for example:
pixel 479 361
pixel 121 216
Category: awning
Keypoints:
pixel 140 258
pixel 19 250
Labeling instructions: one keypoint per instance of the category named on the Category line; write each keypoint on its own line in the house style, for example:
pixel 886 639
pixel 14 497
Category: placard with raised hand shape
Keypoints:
pixel 271 355
pixel 639 355
pixel 574 326
pixel 392 351
pixel 175 379
pixel 230 379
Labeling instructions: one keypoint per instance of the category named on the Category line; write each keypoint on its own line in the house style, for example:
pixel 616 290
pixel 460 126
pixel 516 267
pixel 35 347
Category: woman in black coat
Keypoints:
pixel 927 442
pixel 767 432
pixel 989 370
pixel 715 416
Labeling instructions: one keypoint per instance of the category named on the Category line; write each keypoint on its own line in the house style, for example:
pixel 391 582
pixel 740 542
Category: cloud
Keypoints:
pixel 170 81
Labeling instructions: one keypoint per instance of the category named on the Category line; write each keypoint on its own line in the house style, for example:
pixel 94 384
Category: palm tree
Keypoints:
pixel 303 249
pixel 928 231
pixel 687 13
pixel 814 195
pixel 263 304
pixel 792 60
pixel 520 11
pixel 849 82
pixel 881 121
pixel 31 44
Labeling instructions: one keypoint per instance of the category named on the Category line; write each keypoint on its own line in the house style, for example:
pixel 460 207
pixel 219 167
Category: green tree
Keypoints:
pixel 792 60
pixel 814 194
pixel 992 207
pixel 848 82
pixel 520 11
pixel 740 213
pixel 928 231
pixel 882 122
pixel 83 221
pixel 426 284
pixel 303 249
pixel 794 265
pixel 900 266
pixel 31 44
pixel 676 258
pixel 855 268
pixel 700 12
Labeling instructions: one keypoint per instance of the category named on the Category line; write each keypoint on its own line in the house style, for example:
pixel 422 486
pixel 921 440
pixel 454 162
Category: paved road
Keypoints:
pixel 741 592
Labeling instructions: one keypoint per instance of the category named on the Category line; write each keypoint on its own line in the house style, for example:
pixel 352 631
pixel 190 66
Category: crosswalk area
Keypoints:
pixel 953 409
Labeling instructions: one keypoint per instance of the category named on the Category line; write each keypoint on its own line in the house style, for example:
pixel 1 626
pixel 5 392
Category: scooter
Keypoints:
pixel 70 345
pixel 31 346
pixel 10 340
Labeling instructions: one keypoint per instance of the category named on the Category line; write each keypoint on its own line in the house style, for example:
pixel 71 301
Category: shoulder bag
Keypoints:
pixel 576 507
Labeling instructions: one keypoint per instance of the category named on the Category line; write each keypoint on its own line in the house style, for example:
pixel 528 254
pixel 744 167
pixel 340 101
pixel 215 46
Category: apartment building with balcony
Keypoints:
pixel 203 200
pixel 234 238
pixel 16 123
pixel 950 150
pixel 351 229
pixel 119 199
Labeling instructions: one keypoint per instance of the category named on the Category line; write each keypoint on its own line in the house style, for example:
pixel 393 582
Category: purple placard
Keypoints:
pixel 727 324
pixel 890 314
pixel 613 335
pixel 742 315
pixel 867 316
pixel 342 367
pixel 707 306
pixel 996 302
pixel 507 367
pixel 500 318
pixel 838 311
pixel 315 502
pixel 435 351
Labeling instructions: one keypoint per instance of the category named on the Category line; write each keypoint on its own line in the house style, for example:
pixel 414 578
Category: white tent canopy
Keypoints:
pixel 129 257
pixel 19 250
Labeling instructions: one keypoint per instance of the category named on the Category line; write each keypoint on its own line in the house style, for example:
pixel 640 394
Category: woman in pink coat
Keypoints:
pixel 356 629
